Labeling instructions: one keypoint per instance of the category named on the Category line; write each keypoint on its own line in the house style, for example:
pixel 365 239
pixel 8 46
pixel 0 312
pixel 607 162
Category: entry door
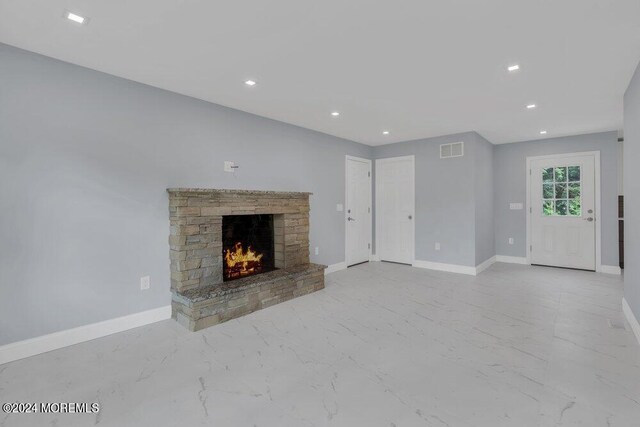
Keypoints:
pixel 563 215
pixel 358 210
pixel 395 209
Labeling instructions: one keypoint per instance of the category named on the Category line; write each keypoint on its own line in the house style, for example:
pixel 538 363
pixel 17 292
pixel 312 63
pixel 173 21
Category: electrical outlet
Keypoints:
pixel 437 246
pixel 145 283
pixel 511 240
pixel 317 250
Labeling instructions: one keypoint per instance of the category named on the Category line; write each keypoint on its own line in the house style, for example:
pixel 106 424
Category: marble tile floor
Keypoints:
pixel 382 345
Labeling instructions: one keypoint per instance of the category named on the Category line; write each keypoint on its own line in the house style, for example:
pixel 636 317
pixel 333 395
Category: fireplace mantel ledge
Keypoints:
pixel 174 191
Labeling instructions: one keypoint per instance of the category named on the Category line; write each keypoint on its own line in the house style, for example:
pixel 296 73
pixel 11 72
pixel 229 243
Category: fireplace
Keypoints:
pixel 247 245
pixel 234 252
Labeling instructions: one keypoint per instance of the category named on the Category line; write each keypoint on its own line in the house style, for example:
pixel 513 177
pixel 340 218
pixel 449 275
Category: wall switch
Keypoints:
pixel 229 166
pixel 145 283
pixel 339 207
pixel 317 250
pixel 511 240
pixel 516 206
pixel 437 246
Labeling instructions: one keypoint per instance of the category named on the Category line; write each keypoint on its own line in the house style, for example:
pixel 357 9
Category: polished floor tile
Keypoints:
pixel 382 345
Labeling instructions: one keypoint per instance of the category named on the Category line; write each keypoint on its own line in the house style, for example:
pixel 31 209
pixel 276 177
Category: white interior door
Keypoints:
pixel 395 209
pixel 358 210
pixel 563 211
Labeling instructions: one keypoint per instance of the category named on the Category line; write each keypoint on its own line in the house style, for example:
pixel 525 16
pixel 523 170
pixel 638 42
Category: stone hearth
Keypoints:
pixel 200 296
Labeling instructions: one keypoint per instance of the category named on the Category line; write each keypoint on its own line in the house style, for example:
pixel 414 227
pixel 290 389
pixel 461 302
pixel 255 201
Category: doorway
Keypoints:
pixel 563 210
pixel 357 210
pixel 395 209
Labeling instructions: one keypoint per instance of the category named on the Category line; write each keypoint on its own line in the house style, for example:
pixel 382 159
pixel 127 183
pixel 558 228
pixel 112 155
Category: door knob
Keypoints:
pixel 410 216
pixel 350 219
pixel 590 219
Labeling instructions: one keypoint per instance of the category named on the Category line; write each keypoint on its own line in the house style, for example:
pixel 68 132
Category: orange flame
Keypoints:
pixel 241 263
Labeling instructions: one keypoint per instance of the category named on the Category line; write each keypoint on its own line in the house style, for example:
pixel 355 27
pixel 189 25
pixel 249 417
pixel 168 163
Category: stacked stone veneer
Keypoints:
pixel 200 297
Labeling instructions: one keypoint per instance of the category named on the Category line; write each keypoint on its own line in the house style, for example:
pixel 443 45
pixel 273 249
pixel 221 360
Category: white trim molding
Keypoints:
pixel 484 265
pixel 450 268
pixel 512 259
pixel 631 318
pixel 335 267
pixel 610 269
pixel 56 340
pixel 454 268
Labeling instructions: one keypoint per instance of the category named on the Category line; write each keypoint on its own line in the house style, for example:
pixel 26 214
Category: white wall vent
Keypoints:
pixel 455 149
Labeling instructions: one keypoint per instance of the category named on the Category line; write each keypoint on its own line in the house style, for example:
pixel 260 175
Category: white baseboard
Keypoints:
pixel 631 318
pixel 511 259
pixel 483 266
pixel 455 268
pixel 610 269
pixel 607 269
pixel 45 343
pixel 451 268
pixel 335 267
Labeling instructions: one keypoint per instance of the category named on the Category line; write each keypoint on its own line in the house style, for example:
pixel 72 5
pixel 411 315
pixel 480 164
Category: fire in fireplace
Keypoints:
pixel 247 245
pixel 241 262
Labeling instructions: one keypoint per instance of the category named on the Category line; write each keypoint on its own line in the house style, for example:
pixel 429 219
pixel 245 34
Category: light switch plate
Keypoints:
pixel 145 283
pixel 339 207
pixel 229 166
pixel 511 240
pixel 437 246
pixel 516 206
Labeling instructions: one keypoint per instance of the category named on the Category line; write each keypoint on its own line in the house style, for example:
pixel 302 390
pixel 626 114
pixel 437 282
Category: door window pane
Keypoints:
pixel 547 208
pixel 561 207
pixel 574 190
pixel 574 173
pixel 574 207
pixel 561 191
pixel 547 191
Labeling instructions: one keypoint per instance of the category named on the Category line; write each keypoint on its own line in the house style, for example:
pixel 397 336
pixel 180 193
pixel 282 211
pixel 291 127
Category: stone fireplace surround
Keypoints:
pixel 200 296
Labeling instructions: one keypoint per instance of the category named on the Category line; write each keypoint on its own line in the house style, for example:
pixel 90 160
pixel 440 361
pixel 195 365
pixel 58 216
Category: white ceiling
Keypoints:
pixel 418 68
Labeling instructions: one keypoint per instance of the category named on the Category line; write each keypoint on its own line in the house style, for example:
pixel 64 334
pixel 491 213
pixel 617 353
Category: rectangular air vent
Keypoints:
pixel 455 149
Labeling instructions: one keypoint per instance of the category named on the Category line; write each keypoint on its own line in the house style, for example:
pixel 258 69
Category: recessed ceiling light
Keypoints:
pixel 75 18
pixel 543 132
pixel 335 114
pixel 386 132
pixel 514 67
pixel 250 82
pixel 531 106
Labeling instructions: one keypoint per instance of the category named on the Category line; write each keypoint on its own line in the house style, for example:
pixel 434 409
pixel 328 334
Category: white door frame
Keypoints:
pixel 413 223
pixel 598 216
pixel 346 192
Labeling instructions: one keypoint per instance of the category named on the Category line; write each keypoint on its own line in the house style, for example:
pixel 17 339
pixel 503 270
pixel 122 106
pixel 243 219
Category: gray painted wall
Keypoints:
pixel 445 208
pixel 85 159
pixel 510 186
pixel 632 194
pixel 484 204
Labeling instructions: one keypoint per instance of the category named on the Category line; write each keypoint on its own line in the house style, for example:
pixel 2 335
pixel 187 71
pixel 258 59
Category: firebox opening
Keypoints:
pixel 247 245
